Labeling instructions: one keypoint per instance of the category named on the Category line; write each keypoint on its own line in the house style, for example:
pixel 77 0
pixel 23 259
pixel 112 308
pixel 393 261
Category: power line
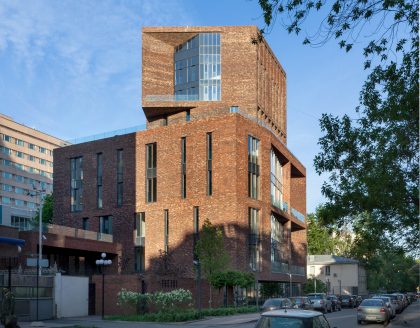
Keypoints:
pixel 303 112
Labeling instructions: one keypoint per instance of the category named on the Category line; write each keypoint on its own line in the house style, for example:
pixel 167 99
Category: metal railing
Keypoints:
pixel 172 98
pixel 298 270
pixel 297 215
pixel 278 267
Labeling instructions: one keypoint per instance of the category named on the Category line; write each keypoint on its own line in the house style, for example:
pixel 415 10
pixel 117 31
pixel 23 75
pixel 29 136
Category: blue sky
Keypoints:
pixel 73 68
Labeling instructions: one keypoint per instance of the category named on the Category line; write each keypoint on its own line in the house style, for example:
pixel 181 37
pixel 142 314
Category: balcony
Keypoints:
pixel 298 270
pixel 297 215
pixel 172 98
pixel 281 267
pixel 279 204
pixel 70 232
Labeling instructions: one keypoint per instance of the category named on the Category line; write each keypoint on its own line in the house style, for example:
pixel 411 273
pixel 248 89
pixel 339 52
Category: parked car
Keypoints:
pixel 397 302
pixel 302 302
pixel 293 318
pixel 389 303
pixel 373 310
pixel 276 303
pixel 335 303
pixel 360 299
pixel 348 301
pixel 402 299
pixel 320 302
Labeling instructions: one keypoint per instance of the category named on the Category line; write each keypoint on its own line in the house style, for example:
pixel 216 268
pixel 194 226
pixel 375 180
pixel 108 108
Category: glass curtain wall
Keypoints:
pixel 198 68
pixel 253 168
pixel 254 238
pixel 276 240
pixel 276 182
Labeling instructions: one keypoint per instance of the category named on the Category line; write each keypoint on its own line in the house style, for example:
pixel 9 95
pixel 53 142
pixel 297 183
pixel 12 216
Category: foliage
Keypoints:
pixel 271 289
pixel 180 315
pixel 134 300
pixel 174 299
pixel 165 265
pixel 348 21
pixel 309 287
pixel 47 211
pixel 243 279
pixel 211 252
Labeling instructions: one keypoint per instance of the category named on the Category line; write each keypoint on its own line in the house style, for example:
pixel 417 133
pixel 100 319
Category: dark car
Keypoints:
pixel 292 318
pixel 302 302
pixel 276 303
pixel 335 303
pixel 348 301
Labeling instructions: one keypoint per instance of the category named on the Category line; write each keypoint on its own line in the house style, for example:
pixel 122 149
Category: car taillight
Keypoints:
pixel 349 300
pixel 359 310
pixel 382 310
pixel 322 302
pixel 389 305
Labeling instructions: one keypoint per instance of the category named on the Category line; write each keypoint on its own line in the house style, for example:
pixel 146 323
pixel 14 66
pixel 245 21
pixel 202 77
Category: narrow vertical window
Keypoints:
pixel 196 229
pixel 165 120
pixel 253 168
pixel 120 169
pixel 254 238
pixel 166 231
pixel 76 191
pixel 85 224
pixel 99 180
pixel 277 182
pixel 105 224
pixel 209 166
pixel 139 241
pixel 184 168
pixel 151 183
pixel 188 114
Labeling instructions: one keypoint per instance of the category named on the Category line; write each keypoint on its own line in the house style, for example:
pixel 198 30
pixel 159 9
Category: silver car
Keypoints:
pixel 373 310
pixel 292 318
pixel 320 302
pixel 276 303
pixel 389 303
pixel 397 302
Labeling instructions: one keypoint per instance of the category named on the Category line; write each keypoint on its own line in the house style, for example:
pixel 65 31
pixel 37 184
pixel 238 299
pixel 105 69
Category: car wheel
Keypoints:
pixel 324 310
pixel 339 309
pixel 386 322
pixel 359 322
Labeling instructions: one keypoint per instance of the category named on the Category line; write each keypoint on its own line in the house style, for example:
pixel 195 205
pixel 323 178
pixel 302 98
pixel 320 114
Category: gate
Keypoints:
pixel 91 298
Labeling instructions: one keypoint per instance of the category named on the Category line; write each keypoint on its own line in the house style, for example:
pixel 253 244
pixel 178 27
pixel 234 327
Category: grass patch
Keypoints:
pixel 180 315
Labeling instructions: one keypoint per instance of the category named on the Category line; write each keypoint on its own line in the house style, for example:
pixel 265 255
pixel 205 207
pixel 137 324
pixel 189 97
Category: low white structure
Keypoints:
pixel 342 275
pixel 71 296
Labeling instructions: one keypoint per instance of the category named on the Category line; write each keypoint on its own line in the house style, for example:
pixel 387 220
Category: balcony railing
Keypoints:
pixel 71 232
pixel 279 204
pixel 172 98
pixel 298 270
pixel 280 267
pixel 297 215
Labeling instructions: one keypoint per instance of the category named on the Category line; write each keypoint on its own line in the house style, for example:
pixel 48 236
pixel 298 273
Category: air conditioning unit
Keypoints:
pixel 322 271
pixel 335 274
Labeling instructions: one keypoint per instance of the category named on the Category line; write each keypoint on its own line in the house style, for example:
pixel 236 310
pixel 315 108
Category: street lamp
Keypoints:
pixel 198 264
pixel 101 266
pixel 143 291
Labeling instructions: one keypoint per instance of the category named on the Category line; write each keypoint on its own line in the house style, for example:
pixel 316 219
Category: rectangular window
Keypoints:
pixel 277 182
pixel 51 164
pixel 20 167
pixel 276 243
pixel 106 224
pixel 7 150
pixel 76 167
pixel 85 224
pixel 99 180
pixel 42 161
pixel 43 173
pixel 196 229
pixel 19 222
pixel 7 138
pixel 6 162
pixel 51 153
pixel 19 202
pixel 31 181
pixel 139 229
pixel 31 158
pixel 254 225
pixel 184 168
pixel 30 204
pixel 140 257
pixel 166 231
pixel 6 187
pixel 51 175
pixel 188 116
pixel 209 165
pixel 43 184
pixel 51 187
pixel 19 178
pixel 19 142
pixel 327 270
pixel 31 169
pixel 6 175
pixel 6 200
pixel 19 190
pixel 151 183
pixel 31 146
pixel 19 154
pixel 253 168
pixel 42 150
pixel 120 167
pixel 312 270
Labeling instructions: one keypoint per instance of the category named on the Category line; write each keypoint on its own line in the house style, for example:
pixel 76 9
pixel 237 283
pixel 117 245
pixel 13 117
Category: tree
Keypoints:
pixel 309 287
pixel 271 289
pixel 320 241
pixel 211 252
pixel 47 211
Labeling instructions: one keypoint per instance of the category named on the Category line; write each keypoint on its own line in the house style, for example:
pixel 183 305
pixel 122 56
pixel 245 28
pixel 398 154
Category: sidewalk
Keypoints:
pixel 96 321
pixel 409 318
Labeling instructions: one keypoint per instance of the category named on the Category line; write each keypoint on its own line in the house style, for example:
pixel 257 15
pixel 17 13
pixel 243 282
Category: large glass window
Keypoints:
pixel 140 258
pixel 276 240
pixel 139 240
pixel 276 182
pixel 210 67
pixel 120 166
pixel 76 184
pixel 253 168
pixel 20 222
pixel 6 175
pixel 151 183
pixel 105 224
pixel 254 225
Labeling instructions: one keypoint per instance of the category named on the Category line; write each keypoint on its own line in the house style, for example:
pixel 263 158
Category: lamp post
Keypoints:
pixel 198 264
pixel 101 266
pixel 255 269
pixel 339 282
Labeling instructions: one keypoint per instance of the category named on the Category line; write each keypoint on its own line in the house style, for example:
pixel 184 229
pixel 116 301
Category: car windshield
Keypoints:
pixel 279 322
pixel 272 303
pixel 372 303
pixel 331 298
pixel 315 297
pixel 394 297
pixel 385 299
pixel 297 300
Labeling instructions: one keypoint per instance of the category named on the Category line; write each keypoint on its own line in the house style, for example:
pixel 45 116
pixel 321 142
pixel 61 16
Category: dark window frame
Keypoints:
pixel 183 168
pixel 120 177
pixel 209 148
pixel 151 173
pixel 99 200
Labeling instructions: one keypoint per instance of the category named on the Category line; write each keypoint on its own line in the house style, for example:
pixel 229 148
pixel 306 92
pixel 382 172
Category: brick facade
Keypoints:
pixel 254 81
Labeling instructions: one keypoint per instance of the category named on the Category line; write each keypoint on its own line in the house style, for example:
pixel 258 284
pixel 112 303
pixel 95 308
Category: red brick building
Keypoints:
pixel 215 146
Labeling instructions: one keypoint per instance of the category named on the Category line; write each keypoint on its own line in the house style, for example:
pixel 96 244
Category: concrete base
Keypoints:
pixel 37 324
